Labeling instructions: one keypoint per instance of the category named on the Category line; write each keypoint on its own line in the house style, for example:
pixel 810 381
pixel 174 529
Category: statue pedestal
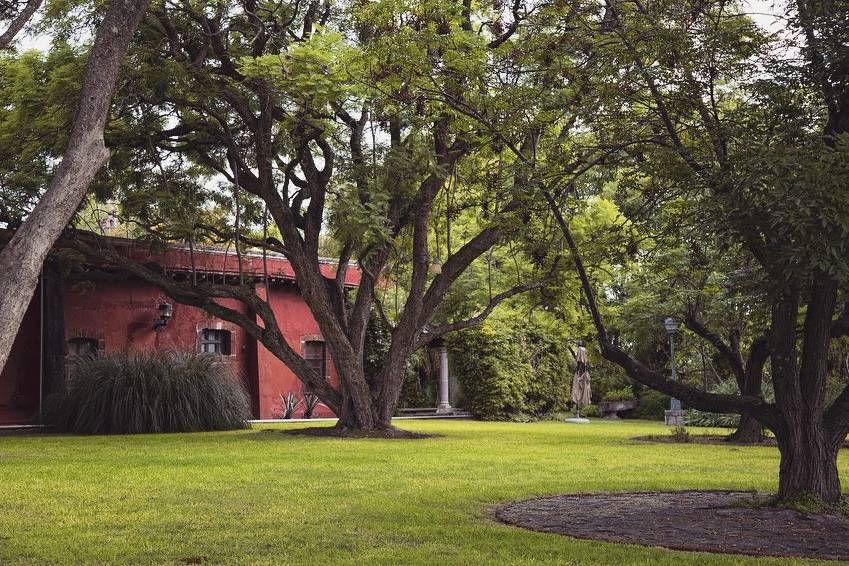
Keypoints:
pixel 675 418
pixel 444 408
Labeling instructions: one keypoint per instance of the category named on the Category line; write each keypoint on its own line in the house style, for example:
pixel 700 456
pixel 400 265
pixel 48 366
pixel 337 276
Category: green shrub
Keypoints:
pixel 126 393
pixel 652 405
pixel 712 420
pixel 418 390
pixel 680 434
pixel 549 383
pixel 607 377
pixel 489 366
pixel 509 373
pixel 720 420
pixel 623 394
pixel 590 411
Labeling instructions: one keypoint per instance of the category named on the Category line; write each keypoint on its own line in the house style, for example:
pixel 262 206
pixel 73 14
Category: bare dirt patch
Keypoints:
pixel 707 521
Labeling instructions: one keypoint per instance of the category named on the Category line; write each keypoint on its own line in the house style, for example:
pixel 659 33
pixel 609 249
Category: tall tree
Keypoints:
pixel 329 131
pixel 759 178
pixel 23 256
pixel 704 129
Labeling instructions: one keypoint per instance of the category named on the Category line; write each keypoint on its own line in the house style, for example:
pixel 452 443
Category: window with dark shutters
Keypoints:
pixel 314 355
pixel 81 347
pixel 215 341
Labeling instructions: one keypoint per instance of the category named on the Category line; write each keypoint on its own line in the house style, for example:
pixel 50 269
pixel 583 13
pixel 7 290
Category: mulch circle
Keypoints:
pixel 705 521
pixel 715 439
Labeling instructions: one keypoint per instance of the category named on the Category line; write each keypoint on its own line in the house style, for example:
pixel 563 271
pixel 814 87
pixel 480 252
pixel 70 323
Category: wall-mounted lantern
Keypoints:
pixel 166 311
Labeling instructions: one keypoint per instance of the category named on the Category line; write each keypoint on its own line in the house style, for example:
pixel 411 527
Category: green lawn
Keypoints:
pixel 261 497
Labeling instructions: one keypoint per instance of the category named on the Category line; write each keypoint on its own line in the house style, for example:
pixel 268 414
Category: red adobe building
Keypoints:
pixel 98 309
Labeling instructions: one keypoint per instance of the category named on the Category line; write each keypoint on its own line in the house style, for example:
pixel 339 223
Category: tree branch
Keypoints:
pixel 701 400
pixel 19 22
pixel 439 331
pixel 733 357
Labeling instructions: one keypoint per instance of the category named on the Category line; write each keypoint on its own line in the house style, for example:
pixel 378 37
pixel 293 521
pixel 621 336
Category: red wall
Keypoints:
pixel 19 387
pixel 298 325
pixel 121 314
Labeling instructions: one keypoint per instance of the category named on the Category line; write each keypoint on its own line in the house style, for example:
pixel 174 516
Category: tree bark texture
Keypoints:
pixel 749 431
pixel 808 449
pixel 22 258
pixel 808 461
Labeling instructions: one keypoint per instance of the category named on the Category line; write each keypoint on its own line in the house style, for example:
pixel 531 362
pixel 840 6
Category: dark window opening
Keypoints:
pixel 315 357
pixel 215 341
pixel 81 348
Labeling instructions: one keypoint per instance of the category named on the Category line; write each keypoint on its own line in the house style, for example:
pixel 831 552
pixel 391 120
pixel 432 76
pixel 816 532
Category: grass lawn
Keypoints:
pixel 261 497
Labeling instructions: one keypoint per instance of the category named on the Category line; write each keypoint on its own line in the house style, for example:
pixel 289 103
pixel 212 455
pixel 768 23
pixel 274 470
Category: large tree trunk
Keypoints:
pixel 808 451
pixel 750 381
pixel 23 256
pixel 808 462
pixel 749 431
pixel 357 410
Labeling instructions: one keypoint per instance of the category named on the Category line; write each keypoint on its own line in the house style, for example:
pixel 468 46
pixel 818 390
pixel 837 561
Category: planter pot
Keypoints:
pixel 611 409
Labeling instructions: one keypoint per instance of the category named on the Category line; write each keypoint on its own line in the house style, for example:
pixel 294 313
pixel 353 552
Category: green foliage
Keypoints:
pixel 489 366
pixel 590 411
pixel 680 434
pixel 414 391
pixel 38 94
pixel 509 373
pixel 712 420
pixel 606 378
pixel 419 387
pixel 652 405
pixel 130 393
pixel 719 420
pixel 623 394
pixel 378 339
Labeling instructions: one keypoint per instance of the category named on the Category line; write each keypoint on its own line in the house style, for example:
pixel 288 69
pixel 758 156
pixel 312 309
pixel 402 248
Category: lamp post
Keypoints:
pixel 674 416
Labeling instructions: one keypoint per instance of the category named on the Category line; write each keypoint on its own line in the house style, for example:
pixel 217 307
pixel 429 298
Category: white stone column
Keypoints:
pixel 444 403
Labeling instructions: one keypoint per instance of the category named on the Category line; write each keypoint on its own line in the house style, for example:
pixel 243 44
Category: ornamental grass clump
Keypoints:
pixel 128 393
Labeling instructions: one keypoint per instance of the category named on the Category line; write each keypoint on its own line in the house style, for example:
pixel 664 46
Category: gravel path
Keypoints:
pixel 690 520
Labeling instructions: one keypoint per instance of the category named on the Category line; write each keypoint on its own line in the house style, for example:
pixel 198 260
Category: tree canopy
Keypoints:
pixel 600 165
